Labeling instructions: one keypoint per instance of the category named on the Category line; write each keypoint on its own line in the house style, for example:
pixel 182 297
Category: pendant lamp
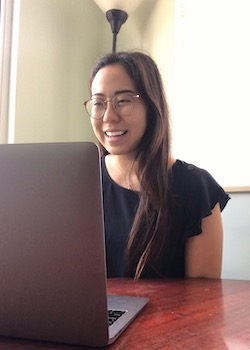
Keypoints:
pixel 117 12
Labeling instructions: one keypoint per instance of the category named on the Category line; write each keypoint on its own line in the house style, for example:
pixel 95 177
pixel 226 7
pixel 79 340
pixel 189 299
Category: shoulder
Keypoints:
pixel 195 194
pixel 197 185
pixel 182 166
pixel 187 175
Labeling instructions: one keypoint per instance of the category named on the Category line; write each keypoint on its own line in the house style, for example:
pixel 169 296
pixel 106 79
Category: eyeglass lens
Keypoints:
pixel 122 103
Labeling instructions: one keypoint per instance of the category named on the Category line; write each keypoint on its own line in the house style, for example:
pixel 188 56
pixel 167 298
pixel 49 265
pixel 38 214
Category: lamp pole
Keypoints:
pixel 116 19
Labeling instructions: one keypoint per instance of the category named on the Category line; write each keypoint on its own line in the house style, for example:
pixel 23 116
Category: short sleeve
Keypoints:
pixel 198 193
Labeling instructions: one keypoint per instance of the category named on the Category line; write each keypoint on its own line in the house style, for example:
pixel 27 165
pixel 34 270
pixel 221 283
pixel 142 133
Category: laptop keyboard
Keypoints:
pixel 114 315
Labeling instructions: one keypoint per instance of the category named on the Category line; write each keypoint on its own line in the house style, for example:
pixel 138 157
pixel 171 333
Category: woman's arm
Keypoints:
pixel 204 252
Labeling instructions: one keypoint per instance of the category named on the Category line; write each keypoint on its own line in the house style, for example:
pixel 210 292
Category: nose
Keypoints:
pixel 110 113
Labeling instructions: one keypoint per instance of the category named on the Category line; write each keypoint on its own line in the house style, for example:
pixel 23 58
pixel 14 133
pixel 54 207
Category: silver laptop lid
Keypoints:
pixel 52 260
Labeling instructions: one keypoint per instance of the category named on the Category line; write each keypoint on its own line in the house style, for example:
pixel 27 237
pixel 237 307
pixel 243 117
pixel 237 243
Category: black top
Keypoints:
pixel 194 194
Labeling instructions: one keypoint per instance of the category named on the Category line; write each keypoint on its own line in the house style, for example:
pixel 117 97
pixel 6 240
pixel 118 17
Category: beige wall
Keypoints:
pixel 58 43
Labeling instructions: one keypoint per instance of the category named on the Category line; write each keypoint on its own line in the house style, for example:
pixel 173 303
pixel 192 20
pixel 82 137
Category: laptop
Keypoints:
pixel 52 247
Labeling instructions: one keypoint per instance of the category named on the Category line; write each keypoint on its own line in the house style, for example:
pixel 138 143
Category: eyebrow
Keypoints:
pixel 116 92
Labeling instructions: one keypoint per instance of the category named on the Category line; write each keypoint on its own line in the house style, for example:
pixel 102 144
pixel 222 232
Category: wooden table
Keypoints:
pixel 182 314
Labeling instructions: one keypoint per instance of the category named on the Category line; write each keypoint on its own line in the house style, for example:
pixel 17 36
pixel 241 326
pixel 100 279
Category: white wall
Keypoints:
pixel 212 85
pixel 236 253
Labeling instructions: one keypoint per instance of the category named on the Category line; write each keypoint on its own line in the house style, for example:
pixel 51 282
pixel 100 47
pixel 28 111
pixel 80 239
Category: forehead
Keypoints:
pixel 110 79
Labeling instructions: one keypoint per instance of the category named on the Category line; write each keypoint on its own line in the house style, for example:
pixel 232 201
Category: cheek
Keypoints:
pixel 144 125
pixel 95 124
pixel 97 128
pixel 143 119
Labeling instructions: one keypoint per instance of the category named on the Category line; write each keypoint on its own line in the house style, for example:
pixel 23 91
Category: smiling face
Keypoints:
pixel 120 135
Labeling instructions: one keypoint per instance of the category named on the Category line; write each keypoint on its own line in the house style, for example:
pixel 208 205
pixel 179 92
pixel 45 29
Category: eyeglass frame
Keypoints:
pixel 112 101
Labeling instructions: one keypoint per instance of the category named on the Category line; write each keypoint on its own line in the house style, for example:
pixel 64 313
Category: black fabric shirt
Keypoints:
pixel 194 194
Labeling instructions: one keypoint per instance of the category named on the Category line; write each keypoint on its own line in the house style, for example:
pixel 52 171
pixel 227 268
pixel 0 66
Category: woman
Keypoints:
pixel 162 215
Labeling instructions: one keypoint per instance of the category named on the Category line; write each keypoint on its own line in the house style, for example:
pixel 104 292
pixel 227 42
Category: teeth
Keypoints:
pixel 115 133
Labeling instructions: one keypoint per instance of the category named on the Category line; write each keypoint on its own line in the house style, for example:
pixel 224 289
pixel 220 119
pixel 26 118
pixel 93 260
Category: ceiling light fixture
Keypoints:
pixel 117 12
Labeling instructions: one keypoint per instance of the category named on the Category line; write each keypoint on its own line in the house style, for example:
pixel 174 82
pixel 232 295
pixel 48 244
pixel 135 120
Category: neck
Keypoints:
pixel 123 170
pixel 123 162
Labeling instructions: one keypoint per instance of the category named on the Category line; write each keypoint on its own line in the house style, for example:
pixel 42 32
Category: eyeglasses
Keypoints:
pixel 123 104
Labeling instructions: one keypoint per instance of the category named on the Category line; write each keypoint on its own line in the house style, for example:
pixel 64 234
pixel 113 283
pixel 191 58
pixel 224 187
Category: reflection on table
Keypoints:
pixel 181 314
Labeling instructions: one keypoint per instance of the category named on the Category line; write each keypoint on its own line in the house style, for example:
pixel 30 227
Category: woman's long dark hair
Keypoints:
pixel 149 232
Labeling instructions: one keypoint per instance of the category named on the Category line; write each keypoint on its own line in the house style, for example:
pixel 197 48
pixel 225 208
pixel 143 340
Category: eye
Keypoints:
pixel 97 103
pixel 123 100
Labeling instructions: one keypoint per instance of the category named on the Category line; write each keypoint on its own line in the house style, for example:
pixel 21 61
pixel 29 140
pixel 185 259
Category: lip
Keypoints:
pixel 115 133
pixel 115 137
